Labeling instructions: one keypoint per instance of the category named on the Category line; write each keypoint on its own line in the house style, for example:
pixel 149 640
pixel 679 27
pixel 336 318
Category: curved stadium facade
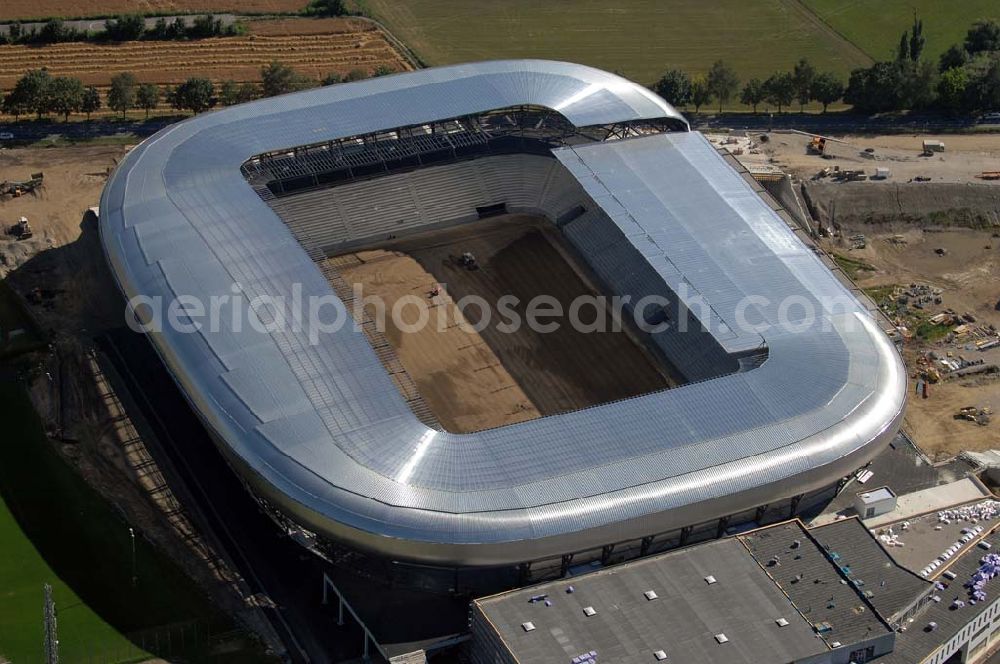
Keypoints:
pixel 250 199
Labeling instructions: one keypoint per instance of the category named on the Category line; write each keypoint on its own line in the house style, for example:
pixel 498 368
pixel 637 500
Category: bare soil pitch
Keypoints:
pixel 494 377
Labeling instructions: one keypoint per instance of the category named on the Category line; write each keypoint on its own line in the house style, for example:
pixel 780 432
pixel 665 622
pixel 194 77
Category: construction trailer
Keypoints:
pixel 932 146
pixel 869 504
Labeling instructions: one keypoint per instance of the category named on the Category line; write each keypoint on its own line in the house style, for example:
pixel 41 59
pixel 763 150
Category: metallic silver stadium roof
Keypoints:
pixel 320 430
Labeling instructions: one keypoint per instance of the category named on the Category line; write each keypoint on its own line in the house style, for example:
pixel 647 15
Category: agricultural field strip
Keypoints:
pixel 174 61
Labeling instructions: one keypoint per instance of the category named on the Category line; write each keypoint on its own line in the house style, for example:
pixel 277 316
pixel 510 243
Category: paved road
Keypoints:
pixel 97 25
pixel 31 131
pixel 839 123
pixel 829 123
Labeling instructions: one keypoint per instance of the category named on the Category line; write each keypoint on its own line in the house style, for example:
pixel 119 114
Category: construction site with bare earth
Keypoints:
pixel 505 454
pixel 473 372
pixel 933 277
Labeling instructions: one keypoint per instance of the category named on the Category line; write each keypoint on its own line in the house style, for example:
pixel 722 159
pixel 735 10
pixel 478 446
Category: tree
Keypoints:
pixel 332 79
pixel 802 79
pixel 919 80
pixel 147 97
pixel 675 87
pixel 383 70
pixel 722 82
pixel 327 8
pixel 753 93
pixel 903 52
pixel 65 95
pixel 161 30
pixel 700 92
pixel 195 94
pixel 125 27
pixel 13 105
pixel 54 31
pixel 121 96
pixel 826 89
pixel 952 89
pixel 955 56
pixel 917 39
pixel 877 88
pixel 983 91
pixel 248 92
pixel 205 26
pixel 177 29
pixel 983 37
pixel 228 92
pixel 31 92
pixel 91 101
pixel 779 89
pixel 231 92
pixel 278 79
pixel 355 75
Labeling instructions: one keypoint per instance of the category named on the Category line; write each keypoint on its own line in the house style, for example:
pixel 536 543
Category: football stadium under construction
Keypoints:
pixel 751 405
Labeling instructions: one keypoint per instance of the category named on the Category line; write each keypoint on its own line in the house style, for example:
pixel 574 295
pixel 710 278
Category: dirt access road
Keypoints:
pixel 964 159
pixel 494 377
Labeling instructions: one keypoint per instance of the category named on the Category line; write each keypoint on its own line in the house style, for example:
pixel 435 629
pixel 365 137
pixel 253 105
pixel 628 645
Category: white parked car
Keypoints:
pixel 6 136
pixel 990 118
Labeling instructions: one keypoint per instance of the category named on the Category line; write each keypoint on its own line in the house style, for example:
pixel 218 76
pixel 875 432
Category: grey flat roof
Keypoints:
pixel 892 588
pixel 320 431
pixel 875 495
pixel 810 579
pixel 743 604
pixel 917 643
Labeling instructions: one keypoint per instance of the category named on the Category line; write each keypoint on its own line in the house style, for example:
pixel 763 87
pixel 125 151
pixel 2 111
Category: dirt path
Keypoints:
pixel 809 15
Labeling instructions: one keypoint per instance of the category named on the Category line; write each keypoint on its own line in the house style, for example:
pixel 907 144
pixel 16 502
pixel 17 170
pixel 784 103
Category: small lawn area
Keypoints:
pixel 55 529
pixel 852 266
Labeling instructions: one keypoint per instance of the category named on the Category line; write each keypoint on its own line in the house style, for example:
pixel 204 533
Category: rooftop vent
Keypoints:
pixel 721 638
pixel 781 622
pixel 660 655
pixel 528 626
pixel 709 579
pixel 650 595
pixel 589 611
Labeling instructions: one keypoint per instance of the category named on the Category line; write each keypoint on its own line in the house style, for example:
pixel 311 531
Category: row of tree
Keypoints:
pixel 127 27
pixel 803 84
pixel 965 79
pixel 39 93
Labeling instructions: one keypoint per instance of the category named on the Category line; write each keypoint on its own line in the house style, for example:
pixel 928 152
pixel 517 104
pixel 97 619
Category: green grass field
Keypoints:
pixel 55 529
pixel 637 38
pixel 876 27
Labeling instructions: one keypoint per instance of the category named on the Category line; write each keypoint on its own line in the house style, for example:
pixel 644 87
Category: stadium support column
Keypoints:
pixel 723 522
pixel 794 505
pixel 759 514
pixel 564 565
